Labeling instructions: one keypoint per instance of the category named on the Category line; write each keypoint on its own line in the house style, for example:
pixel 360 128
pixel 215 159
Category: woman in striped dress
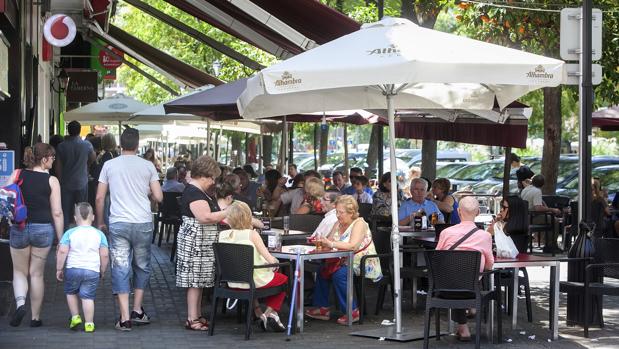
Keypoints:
pixel 195 258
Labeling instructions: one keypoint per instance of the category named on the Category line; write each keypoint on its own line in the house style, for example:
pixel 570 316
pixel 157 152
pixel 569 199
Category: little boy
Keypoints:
pixel 359 184
pixel 85 250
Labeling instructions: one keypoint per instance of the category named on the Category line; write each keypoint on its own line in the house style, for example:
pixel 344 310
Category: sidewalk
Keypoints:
pixel 165 303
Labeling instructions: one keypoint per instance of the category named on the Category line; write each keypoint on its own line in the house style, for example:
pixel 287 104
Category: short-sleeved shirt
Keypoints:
pixel 84 243
pixel 480 241
pixel 193 193
pixel 129 178
pixel 294 198
pixel 172 185
pixel 73 153
pixel 533 195
pixel 350 190
pixel 409 207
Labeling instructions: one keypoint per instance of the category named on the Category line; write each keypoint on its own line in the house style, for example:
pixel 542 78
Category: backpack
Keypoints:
pixel 12 204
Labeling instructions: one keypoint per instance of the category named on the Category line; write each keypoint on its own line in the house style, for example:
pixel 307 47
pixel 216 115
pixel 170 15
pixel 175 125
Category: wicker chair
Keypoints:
pixel 454 282
pixel 235 263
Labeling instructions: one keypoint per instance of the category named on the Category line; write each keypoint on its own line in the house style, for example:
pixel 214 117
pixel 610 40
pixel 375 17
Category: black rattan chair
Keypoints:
pixel 235 263
pixel 454 282
pixel 169 219
pixel 305 222
pixel 365 212
pixel 605 264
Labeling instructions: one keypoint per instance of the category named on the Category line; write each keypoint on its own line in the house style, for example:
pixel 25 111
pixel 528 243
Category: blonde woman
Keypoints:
pixel 350 232
pixel 240 220
pixel 314 192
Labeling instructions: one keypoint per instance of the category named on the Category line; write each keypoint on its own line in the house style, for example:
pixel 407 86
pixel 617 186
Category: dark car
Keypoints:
pixel 609 178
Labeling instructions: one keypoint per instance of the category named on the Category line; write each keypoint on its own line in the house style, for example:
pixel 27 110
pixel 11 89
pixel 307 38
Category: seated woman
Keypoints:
pixel 239 218
pixel 349 233
pixel 273 187
pixel 445 201
pixel 513 219
pixel 381 201
pixel 600 212
pixel 314 192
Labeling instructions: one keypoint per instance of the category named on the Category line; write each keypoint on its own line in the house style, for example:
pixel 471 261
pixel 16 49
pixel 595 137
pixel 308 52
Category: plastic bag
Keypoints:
pixel 505 247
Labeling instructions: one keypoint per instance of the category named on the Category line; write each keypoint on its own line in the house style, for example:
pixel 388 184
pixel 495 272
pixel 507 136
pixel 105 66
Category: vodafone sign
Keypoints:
pixel 109 61
pixel 59 30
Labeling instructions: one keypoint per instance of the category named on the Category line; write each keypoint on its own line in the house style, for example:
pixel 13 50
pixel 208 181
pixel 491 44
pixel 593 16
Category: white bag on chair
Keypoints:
pixel 505 247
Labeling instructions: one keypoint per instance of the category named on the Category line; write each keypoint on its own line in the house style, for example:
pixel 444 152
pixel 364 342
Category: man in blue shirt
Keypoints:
pixel 419 191
pixel 355 172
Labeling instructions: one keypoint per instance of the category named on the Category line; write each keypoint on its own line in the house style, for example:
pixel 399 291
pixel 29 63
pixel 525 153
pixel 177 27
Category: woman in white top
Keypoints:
pixel 240 220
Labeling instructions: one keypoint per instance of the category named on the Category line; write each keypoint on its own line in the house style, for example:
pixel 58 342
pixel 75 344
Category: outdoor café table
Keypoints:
pixel 524 260
pixel 294 237
pixel 309 253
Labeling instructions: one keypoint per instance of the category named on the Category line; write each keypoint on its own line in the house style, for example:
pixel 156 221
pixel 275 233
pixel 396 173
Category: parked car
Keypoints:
pixel 442 156
pixel 609 178
pixel 446 169
pixel 466 177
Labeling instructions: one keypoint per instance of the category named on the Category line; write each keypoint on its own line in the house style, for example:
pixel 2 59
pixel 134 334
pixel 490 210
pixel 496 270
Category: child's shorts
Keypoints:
pixel 82 281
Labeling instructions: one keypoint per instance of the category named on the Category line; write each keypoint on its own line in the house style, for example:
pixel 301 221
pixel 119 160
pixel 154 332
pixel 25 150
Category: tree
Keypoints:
pixel 536 29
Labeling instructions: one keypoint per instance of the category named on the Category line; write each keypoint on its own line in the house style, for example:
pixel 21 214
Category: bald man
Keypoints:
pixel 480 240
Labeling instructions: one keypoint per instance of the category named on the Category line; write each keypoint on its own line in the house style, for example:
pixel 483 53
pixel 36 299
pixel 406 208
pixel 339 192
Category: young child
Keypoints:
pixel 85 250
pixel 359 184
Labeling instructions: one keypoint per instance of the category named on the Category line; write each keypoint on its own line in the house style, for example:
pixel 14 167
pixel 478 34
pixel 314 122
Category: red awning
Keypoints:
pixel 316 21
pixel 184 72
pixel 513 133
pixel 606 119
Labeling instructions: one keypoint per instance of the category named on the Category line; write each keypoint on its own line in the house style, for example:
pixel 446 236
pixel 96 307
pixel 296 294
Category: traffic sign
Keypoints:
pixel 573 74
pixel 570 34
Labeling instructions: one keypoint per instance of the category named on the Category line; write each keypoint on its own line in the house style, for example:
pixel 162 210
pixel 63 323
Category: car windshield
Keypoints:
pixel 447 170
pixel 566 169
pixel 609 178
pixel 478 172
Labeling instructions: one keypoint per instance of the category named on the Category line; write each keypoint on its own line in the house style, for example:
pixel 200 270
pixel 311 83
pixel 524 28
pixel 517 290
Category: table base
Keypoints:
pixel 389 333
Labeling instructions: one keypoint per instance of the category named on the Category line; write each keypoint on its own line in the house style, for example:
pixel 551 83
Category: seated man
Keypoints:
pixel 480 241
pixel 360 184
pixel 171 183
pixel 418 201
pixel 354 173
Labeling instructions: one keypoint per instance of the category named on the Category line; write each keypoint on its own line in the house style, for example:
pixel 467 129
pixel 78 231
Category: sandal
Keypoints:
pixel 202 320
pixel 274 323
pixel 321 313
pixel 196 325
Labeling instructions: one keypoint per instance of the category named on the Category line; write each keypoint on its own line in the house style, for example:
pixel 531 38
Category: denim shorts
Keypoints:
pixel 34 234
pixel 81 281
pixel 130 253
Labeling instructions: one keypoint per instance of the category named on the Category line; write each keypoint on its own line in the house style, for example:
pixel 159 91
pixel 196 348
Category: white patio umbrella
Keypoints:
pixel 107 111
pixel 393 64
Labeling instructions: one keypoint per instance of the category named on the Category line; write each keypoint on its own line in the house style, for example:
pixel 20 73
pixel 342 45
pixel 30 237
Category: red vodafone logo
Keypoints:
pixel 59 30
pixel 107 60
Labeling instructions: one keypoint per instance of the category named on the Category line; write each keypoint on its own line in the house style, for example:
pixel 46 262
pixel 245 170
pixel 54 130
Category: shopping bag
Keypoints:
pixel 505 247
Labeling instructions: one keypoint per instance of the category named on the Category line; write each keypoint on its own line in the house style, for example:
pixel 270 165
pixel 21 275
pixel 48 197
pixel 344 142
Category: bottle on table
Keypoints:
pixel 434 219
pixel 417 220
pixel 424 220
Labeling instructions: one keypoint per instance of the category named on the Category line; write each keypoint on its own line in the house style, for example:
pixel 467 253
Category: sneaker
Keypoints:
pixel 123 325
pixel 343 320
pixel 140 319
pixel 76 320
pixel 89 327
pixel 18 316
pixel 321 313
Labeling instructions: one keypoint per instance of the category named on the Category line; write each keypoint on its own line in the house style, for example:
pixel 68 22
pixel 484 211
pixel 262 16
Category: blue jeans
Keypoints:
pixel 130 255
pixel 321 290
pixel 81 281
pixel 40 235
pixel 69 198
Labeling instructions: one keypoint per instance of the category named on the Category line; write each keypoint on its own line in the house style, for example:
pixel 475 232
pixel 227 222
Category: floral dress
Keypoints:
pixel 372 265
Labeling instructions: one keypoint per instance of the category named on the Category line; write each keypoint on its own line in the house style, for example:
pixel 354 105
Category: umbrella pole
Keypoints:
pixel 395 234
pixel 208 138
pixel 285 148
pixel 346 164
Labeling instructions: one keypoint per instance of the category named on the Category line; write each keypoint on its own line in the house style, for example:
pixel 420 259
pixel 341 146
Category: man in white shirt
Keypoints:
pixel 328 204
pixel 132 182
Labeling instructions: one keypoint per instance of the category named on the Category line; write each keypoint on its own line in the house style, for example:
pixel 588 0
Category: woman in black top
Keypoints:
pixel 31 243
pixel 195 265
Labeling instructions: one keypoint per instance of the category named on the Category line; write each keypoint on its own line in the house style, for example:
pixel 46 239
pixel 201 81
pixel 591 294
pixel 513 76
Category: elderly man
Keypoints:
pixel 328 205
pixel 418 201
pixel 247 188
pixel 479 240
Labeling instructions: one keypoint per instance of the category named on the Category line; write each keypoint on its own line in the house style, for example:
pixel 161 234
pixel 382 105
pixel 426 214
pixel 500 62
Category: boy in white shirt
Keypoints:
pixel 85 249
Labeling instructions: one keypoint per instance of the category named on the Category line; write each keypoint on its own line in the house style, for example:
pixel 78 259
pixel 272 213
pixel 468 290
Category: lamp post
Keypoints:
pixel 63 81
